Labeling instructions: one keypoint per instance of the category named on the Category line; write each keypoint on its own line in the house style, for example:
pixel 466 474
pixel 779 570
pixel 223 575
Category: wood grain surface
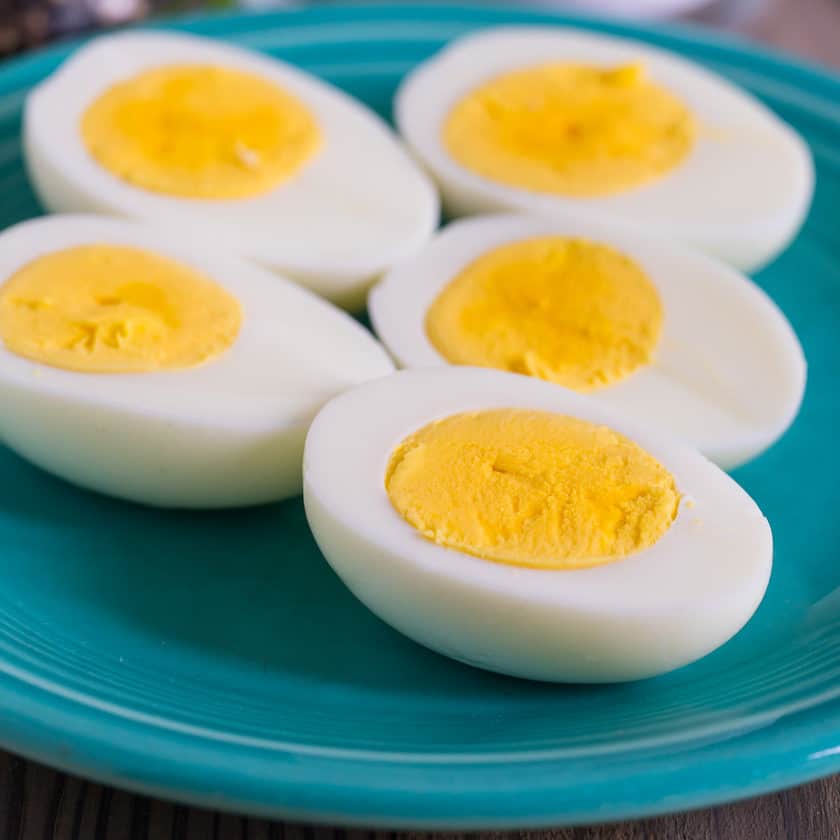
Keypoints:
pixel 37 803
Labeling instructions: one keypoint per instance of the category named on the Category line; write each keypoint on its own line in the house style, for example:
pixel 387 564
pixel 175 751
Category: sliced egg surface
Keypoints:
pixel 666 335
pixel 270 162
pixel 154 369
pixel 556 120
pixel 527 529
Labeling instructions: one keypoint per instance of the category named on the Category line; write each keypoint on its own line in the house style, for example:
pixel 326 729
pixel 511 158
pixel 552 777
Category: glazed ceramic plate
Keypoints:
pixel 215 658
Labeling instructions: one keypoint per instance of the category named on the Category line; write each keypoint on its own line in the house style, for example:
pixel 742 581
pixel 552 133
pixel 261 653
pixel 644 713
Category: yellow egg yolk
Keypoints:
pixel 570 129
pixel 531 488
pixel 115 309
pixel 200 131
pixel 567 310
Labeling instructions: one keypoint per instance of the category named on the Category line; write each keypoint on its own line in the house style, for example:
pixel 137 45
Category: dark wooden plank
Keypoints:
pixel 12 795
pixel 69 811
pixel 162 822
pixel 804 820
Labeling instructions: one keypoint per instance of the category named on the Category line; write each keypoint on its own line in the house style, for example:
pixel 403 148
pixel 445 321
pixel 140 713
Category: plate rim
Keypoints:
pixel 113 751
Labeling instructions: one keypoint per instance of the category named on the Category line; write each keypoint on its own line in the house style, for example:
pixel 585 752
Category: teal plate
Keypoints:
pixel 215 658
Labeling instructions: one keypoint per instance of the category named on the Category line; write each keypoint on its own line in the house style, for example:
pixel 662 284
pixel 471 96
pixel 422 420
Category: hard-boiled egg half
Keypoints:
pixel 265 159
pixel 526 529
pixel 555 120
pixel 155 369
pixel 668 336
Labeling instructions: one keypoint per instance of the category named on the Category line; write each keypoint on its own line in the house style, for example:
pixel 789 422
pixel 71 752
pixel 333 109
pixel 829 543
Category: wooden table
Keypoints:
pixel 37 803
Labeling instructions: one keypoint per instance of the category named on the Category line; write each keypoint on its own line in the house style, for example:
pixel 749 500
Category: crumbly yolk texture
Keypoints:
pixel 200 131
pixel 115 309
pixel 570 129
pixel 531 488
pixel 570 311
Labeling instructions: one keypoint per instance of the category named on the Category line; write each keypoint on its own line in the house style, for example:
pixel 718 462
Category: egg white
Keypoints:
pixel 728 374
pixel 741 195
pixel 228 432
pixel 653 611
pixel 357 206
